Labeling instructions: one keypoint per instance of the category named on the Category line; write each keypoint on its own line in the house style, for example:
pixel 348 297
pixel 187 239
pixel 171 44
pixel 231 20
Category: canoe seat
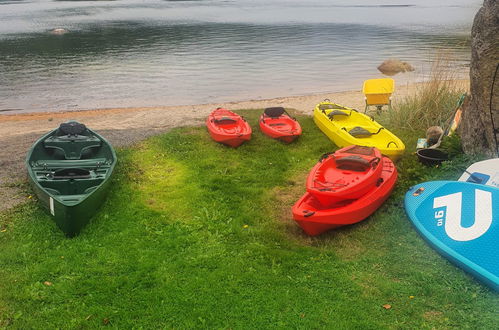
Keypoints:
pixel 72 148
pixel 71 173
pixel 72 128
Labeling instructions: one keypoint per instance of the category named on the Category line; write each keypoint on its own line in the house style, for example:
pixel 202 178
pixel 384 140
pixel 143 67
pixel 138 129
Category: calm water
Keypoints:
pixel 146 53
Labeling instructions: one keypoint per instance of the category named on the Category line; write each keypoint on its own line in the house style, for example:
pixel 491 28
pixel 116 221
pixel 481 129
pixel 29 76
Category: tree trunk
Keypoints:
pixel 480 122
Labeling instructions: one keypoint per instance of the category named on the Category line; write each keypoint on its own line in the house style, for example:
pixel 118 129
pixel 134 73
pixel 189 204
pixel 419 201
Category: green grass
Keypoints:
pixel 434 101
pixel 198 235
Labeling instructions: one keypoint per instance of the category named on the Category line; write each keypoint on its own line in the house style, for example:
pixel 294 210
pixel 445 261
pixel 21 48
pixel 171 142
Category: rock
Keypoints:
pixel 58 31
pixel 479 127
pixel 393 66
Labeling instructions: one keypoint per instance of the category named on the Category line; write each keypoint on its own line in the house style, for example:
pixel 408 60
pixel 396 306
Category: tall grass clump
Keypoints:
pixel 433 102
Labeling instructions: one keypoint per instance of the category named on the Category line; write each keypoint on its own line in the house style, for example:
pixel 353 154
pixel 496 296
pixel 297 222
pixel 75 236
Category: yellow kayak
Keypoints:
pixel 345 126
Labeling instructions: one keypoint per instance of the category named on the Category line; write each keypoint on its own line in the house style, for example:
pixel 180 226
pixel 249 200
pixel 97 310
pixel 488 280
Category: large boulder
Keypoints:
pixel 58 31
pixel 393 66
pixel 480 124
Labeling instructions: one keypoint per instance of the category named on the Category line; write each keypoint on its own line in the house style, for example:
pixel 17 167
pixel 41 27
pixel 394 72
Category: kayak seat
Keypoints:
pixel 353 163
pixel 274 112
pixel 336 113
pixel 360 132
pixel 73 148
pixel 224 121
pixel 331 106
pixel 361 150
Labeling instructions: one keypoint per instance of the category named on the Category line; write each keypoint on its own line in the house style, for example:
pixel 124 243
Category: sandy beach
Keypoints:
pixel 126 126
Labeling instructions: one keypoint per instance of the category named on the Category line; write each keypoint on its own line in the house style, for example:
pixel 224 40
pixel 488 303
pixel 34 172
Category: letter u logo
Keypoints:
pixel 453 205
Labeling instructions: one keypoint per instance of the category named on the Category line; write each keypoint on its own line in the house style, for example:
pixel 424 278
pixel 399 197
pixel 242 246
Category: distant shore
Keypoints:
pixel 125 126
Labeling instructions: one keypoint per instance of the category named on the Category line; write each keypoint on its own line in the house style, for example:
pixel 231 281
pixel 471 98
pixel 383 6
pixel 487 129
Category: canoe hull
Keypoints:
pixel 71 175
pixel 71 219
pixel 315 219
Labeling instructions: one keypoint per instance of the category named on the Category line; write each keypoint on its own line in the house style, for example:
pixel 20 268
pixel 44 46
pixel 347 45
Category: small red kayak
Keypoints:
pixel 315 219
pixel 228 127
pixel 278 124
pixel 346 174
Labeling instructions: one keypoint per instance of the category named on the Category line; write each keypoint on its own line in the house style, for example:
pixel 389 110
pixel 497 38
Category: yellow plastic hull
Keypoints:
pixel 337 129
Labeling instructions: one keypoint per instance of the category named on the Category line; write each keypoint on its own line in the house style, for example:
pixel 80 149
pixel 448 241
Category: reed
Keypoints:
pixel 433 102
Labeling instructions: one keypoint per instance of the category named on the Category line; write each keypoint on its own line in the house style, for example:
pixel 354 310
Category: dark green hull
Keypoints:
pixel 71 176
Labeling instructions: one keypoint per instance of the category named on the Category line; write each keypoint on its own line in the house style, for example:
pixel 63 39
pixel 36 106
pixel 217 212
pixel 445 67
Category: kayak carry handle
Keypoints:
pixel 308 214
pixel 324 156
pixel 353 163
pixel 388 145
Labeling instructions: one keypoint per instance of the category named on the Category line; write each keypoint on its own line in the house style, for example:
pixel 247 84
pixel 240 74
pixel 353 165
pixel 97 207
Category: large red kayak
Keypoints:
pixel 228 127
pixel 315 219
pixel 276 123
pixel 346 174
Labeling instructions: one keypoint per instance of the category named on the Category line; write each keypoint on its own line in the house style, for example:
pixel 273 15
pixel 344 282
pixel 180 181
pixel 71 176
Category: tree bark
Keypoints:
pixel 480 122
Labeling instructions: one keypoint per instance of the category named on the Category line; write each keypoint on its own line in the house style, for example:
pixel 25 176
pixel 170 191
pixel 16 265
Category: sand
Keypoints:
pixel 125 126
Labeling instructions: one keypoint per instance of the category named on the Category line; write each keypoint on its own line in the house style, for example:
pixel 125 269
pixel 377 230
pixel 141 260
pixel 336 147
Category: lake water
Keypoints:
pixel 130 53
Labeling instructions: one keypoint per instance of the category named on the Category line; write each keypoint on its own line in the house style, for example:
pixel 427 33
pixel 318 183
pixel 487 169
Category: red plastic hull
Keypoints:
pixel 315 219
pixel 336 178
pixel 228 128
pixel 282 128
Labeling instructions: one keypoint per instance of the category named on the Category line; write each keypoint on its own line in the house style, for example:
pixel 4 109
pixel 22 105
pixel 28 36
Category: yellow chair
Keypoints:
pixel 378 93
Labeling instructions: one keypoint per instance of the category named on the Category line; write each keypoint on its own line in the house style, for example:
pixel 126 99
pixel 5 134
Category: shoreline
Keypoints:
pixel 126 126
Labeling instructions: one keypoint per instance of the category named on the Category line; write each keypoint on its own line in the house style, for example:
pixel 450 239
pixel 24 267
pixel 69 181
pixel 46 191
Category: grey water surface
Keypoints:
pixel 129 53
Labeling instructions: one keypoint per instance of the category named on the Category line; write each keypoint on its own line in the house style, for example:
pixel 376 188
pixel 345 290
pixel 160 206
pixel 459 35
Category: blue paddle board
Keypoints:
pixel 461 221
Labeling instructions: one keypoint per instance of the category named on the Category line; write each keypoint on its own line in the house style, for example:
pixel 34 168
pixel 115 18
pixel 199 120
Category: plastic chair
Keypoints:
pixel 378 93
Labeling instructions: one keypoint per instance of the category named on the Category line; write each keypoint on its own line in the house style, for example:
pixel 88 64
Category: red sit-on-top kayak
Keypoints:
pixel 315 219
pixel 228 127
pixel 276 123
pixel 346 174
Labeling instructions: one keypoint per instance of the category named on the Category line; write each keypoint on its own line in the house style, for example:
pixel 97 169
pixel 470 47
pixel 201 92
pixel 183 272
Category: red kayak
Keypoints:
pixel 346 174
pixel 228 127
pixel 276 123
pixel 315 219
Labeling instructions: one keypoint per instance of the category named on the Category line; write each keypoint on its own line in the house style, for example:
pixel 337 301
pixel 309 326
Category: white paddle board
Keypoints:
pixel 484 172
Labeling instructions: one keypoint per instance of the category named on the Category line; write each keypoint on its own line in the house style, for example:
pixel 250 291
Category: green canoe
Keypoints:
pixel 70 169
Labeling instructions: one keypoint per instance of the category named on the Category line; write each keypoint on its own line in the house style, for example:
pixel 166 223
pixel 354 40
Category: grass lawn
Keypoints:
pixel 195 234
